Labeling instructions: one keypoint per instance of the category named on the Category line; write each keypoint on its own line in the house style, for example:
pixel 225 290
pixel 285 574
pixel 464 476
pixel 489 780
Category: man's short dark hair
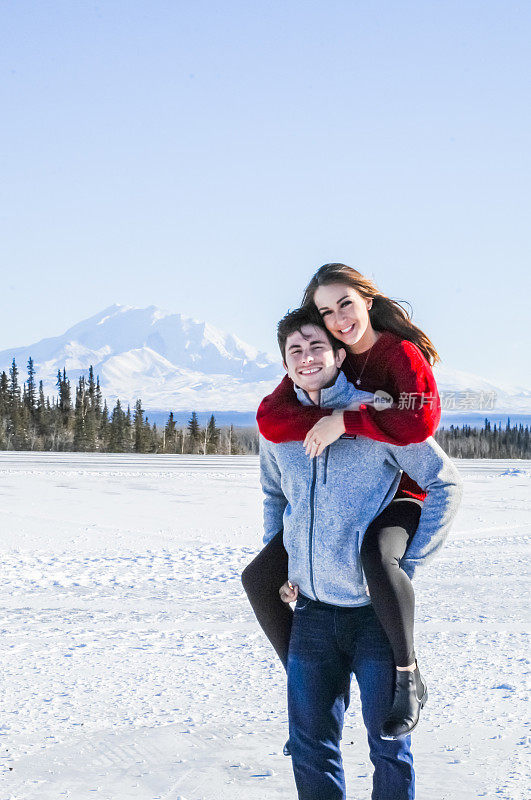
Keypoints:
pixel 297 319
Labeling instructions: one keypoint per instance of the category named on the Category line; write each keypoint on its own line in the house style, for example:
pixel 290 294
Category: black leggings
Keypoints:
pixel 384 544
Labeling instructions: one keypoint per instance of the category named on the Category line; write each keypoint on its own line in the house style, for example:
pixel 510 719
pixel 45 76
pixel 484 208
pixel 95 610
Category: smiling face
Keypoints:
pixel 346 315
pixel 310 359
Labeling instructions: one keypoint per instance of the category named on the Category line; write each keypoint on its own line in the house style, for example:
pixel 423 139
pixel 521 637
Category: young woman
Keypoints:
pixel 385 351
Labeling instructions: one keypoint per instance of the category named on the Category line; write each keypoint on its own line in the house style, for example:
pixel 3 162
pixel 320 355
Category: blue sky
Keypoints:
pixel 206 157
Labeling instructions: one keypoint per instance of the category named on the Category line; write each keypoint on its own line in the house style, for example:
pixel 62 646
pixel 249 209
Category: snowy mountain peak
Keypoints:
pixel 111 311
pixel 154 354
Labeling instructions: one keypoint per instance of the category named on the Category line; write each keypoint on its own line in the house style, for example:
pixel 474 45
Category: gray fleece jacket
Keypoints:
pixel 325 504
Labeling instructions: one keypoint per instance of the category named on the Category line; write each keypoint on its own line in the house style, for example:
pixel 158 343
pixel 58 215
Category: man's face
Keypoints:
pixel 311 361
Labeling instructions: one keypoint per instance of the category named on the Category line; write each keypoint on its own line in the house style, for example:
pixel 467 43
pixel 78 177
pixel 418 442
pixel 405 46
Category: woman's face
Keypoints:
pixel 345 313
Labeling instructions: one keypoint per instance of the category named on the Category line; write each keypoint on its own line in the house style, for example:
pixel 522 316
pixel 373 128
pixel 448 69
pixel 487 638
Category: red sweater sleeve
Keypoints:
pixel 281 418
pixel 411 383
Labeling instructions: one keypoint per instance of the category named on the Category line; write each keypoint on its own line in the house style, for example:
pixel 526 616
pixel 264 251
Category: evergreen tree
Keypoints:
pixel 15 405
pixel 14 389
pixel 41 416
pixel 141 440
pixel 80 414
pixel 104 431
pixel 4 410
pixel 27 433
pixel 91 439
pixel 129 430
pixel 147 438
pixel 97 400
pixel 212 434
pixel 65 399
pixel 170 438
pixel 41 402
pixel 117 437
pixel 194 433
pixel 4 394
pixel 91 389
pixel 92 414
pixel 31 390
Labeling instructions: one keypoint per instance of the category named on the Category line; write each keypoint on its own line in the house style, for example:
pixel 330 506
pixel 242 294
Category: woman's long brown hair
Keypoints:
pixel 385 314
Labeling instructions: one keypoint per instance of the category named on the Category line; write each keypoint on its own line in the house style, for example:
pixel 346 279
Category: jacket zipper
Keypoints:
pixel 312 516
pixel 326 464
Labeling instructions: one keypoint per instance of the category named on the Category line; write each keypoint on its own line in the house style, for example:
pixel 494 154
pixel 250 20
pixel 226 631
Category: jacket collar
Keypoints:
pixel 339 395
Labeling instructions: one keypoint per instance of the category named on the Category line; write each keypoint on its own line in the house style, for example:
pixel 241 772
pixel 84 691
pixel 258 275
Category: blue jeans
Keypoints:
pixel 329 643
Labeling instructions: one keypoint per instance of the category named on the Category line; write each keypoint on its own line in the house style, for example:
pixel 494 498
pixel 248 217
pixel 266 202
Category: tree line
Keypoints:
pixel 491 441
pixel 498 441
pixel 83 422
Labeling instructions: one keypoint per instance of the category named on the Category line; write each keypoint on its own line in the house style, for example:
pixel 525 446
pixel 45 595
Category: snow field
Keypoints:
pixel 133 666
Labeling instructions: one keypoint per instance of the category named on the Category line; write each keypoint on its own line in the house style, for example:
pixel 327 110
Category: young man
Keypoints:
pixel 324 506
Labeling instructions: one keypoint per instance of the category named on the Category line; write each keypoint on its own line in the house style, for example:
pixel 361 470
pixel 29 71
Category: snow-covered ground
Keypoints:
pixel 132 666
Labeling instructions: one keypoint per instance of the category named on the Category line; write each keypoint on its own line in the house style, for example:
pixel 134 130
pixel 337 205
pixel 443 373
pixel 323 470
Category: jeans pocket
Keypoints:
pixel 302 603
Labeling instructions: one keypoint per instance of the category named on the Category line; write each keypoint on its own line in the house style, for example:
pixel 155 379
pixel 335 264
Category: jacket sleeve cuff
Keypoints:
pixel 352 421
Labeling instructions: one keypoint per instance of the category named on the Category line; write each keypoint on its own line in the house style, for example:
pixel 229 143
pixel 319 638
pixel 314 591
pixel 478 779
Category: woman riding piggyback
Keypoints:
pixel 384 351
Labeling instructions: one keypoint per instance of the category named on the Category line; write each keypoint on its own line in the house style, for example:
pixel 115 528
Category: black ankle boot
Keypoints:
pixel 411 694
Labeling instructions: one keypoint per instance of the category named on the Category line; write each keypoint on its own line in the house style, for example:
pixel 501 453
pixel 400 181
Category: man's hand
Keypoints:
pixel 288 593
pixel 324 432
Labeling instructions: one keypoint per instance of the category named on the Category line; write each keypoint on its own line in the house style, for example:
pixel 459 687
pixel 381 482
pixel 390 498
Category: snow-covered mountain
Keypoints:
pixel 170 361
pixel 177 363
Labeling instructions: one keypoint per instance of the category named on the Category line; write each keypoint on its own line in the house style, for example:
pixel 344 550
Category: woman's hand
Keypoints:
pixel 324 432
pixel 288 593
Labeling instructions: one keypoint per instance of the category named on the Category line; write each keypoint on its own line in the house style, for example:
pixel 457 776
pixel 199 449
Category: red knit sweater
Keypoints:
pixel 394 365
